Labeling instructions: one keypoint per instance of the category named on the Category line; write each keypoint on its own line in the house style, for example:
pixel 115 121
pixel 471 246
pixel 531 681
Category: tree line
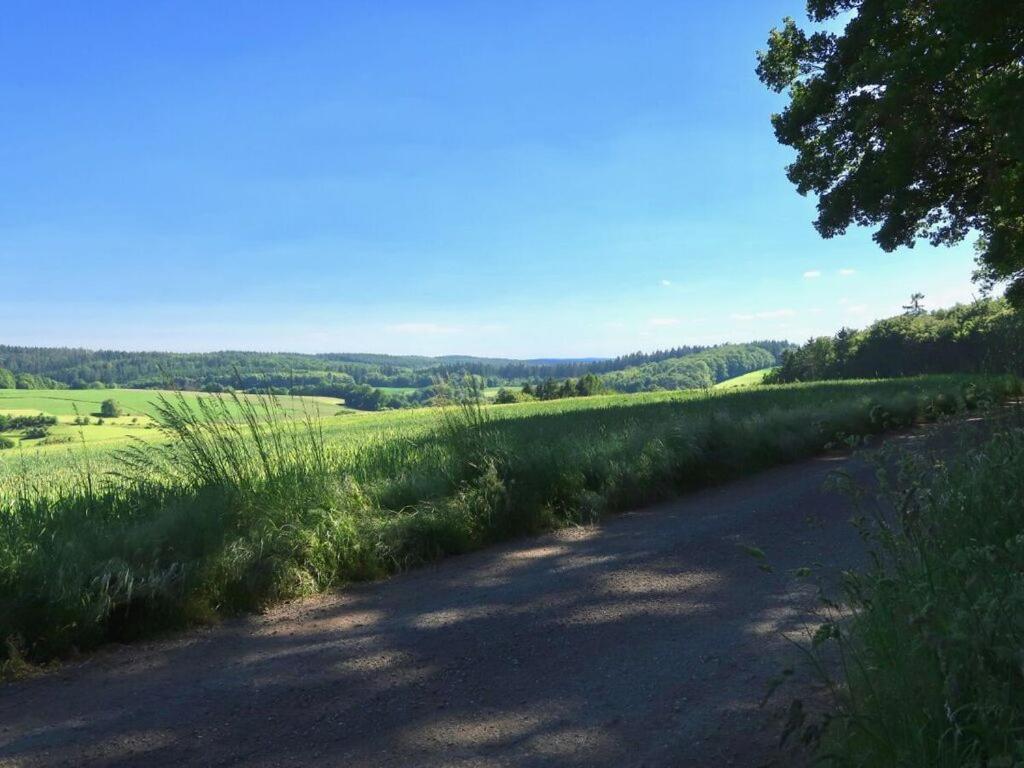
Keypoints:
pixel 83 369
pixel 12 380
pixel 984 336
pixel 552 389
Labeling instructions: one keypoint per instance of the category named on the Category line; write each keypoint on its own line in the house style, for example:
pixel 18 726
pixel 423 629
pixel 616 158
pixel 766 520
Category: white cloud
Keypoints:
pixel 423 329
pixel 812 274
pixel 772 314
pixel 663 322
pixel 846 271
pixel 666 283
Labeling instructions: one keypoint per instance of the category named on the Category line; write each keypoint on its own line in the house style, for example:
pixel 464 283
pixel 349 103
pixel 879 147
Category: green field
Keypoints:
pixel 137 405
pixel 751 379
pixel 232 515
pixel 93 448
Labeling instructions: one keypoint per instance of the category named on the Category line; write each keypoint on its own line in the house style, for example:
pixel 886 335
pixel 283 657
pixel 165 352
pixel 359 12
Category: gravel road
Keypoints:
pixel 647 640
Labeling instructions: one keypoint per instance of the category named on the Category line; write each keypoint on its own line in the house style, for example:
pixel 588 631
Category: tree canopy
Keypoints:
pixel 982 337
pixel 911 119
pixel 697 371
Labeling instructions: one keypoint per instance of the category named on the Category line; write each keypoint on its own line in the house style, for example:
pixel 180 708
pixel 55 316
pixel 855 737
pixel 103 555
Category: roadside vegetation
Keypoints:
pixel 930 659
pixel 243 504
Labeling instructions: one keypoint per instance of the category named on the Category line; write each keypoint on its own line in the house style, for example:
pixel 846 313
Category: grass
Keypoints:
pixel 138 408
pixel 932 660
pixel 240 504
pixel 751 379
pixel 134 402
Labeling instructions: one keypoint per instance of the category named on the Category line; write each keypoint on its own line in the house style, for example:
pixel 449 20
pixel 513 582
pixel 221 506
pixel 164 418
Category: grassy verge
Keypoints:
pixel 229 514
pixel 933 656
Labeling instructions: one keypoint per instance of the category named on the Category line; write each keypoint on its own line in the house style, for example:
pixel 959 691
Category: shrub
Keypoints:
pixel 56 440
pixel 109 409
pixel 12 423
pixel 6 443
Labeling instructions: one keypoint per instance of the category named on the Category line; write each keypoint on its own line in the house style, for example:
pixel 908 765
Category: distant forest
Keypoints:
pixel 985 336
pixel 81 368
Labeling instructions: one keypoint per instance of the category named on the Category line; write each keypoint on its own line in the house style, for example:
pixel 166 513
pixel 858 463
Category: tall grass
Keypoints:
pixel 932 658
pixel 230 514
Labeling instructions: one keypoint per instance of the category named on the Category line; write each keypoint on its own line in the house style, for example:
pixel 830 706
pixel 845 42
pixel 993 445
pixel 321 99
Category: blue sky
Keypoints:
pixel 522 179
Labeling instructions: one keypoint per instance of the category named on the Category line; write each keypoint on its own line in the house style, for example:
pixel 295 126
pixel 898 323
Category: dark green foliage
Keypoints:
pixel 32 381
pixel 11 423
pixel 230 514
pixel 775 348
pixel 508 396
pixel 81 368
pixel 698 371
pixel 109 409
pixel 932 672
pixel 355 378
pixel 588 385
pixel 986 336
pixel 912 118
pixel 550 389
pixel 6 443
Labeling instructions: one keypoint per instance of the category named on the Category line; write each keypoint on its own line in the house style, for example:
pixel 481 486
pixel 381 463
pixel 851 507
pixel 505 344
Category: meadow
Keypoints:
pixel 241 503
pixel 138 406
pixel 745 380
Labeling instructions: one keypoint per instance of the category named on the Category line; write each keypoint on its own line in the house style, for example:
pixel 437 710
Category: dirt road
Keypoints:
pixel 645 641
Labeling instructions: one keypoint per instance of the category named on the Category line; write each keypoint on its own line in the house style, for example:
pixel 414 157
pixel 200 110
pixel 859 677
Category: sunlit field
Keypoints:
pixel 137 408
pixel 751 379
pixel 241 502
pixel 93 448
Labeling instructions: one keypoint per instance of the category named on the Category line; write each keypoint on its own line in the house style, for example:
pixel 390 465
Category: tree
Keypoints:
pixel 912 119
pixel 109 409
pixel 505 396
pixel 915 307
pixel 588 385
pixel 6 379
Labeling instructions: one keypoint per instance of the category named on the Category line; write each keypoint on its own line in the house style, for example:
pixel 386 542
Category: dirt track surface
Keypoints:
pixel 645 641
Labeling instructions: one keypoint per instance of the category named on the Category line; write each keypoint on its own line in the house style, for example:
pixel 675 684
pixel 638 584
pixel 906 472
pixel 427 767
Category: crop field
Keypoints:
pixel 93 448
pixel 225 514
